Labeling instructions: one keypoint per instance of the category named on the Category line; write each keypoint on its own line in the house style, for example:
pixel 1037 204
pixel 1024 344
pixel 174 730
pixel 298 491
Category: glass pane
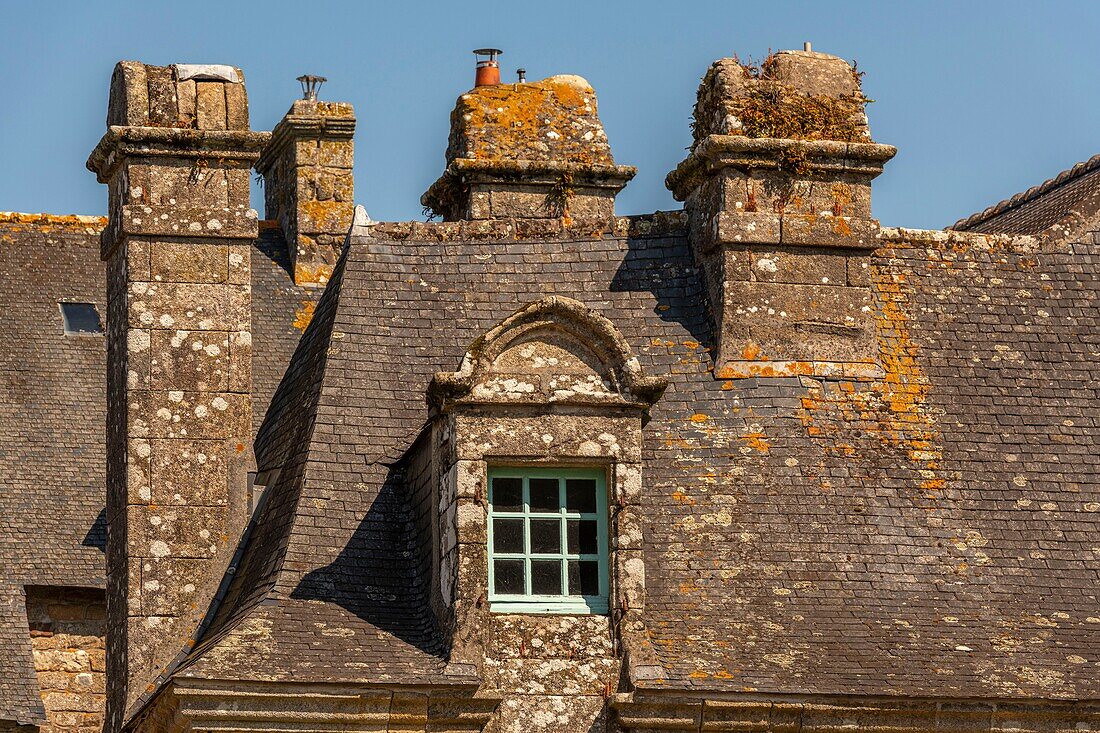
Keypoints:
pixel 580 495
pixel 584 578
pixel 546 577
pixel 544 495
pixel 545 536
pixel 507 535
pixel 508 576
pixel 507 494
pixel 80 318
pixel 582 536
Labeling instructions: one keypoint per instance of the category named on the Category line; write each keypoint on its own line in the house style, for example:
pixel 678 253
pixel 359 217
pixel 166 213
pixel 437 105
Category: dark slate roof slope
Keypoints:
pixel 931 533
pixel 52 413
pixel 52 404
pixel 316 574
pixel 1053 207
pixel 19 700
pixel 281 311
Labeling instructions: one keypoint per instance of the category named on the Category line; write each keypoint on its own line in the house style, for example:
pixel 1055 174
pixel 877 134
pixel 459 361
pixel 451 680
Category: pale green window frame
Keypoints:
pixel 572 563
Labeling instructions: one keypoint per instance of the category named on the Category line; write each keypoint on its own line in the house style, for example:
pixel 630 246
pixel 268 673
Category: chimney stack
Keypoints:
pixel 309 187
pixel 777 188
pixel 531 150
pixel 176 158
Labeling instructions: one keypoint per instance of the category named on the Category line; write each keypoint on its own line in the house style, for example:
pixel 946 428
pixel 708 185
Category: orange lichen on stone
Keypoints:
pixel 552 119
pixel 756 441
pixel 891 410
pixel 304 314
pixel 699 418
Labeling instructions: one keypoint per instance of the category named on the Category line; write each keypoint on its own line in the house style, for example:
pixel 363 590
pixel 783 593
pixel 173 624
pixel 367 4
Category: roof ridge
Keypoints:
pixel 1030 194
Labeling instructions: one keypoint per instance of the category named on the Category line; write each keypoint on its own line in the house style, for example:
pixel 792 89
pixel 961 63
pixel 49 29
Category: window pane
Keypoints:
pixel 507 535
pixel 546 577
pixel 80 318
pixel 580 495
pixel 583 537
pixel 507 494
pixel 584 578
pixel 544 495
pixel 545 536
pixel 508 576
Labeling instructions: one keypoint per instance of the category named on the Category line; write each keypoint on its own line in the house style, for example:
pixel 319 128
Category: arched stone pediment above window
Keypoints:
pixel 554 350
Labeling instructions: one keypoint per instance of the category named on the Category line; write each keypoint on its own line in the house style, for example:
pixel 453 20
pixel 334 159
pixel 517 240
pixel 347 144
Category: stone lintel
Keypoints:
pixel 804 230
pixel 240 147
pixel 737 151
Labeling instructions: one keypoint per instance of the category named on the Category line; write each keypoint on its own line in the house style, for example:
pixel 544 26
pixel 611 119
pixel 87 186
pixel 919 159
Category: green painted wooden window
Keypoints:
pixel 548 540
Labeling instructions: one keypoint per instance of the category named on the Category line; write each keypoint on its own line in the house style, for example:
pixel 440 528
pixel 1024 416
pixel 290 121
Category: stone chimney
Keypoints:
pixel 176 159
pixel 528 150
pixel 778 193
pixel 308 184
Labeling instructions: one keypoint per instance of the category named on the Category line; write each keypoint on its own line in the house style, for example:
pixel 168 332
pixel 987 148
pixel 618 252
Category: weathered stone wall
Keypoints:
pixel 67 628
pixel 309 186
pixel 177 246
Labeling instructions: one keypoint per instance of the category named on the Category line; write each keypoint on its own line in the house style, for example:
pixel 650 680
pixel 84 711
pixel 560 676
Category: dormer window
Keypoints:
pixel 548 544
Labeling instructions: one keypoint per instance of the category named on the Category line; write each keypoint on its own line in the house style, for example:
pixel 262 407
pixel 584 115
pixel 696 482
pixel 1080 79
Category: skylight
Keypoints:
pixel 80 318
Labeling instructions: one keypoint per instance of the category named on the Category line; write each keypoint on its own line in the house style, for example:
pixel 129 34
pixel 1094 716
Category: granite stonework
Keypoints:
pixel 308 184
pixel 850 469
pixel 177 246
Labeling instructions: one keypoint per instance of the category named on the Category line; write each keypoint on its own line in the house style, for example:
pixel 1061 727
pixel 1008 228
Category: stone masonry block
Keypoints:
pixel 170 533
pixel 211 105
pixel 185 262
pixel 190 306
pixel 199 359
pixel 179 414
pixel 192 472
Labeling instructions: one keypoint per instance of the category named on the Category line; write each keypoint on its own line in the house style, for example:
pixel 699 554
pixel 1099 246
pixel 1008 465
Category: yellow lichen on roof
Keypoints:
pixel 544 120
pixel 48 222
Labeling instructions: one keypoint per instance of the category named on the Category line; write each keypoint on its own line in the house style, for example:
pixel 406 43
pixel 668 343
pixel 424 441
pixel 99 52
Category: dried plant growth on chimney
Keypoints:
pixel 764 101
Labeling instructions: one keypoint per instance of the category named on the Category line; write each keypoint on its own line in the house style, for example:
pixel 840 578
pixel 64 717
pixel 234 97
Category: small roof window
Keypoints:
pixel 80 318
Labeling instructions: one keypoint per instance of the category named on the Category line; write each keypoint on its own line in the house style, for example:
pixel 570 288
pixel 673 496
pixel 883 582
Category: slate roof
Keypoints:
pixel 53 414
pixel 1051 207
pixel 930 533
pixel 52 407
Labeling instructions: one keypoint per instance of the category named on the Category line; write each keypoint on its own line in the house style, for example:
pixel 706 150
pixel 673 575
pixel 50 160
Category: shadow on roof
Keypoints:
pixel 382 574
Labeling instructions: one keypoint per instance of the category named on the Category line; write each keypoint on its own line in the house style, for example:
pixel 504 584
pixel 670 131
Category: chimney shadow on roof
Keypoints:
pixel 665 267
pixel 381 575
pixel 272 244
pixel 97 533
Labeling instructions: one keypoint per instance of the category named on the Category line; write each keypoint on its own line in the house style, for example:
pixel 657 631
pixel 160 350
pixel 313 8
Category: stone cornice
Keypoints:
pixel 688 710
pixel 543 173
pixel 118 142
pixel 201 704
pixel 297 127
pixel 737 151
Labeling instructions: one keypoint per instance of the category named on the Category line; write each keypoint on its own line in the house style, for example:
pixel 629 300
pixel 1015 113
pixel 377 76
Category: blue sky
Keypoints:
pixel 983 99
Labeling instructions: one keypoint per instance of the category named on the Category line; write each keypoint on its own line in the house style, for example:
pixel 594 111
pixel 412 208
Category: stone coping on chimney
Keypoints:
pixel 720 151
pixel 119 141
